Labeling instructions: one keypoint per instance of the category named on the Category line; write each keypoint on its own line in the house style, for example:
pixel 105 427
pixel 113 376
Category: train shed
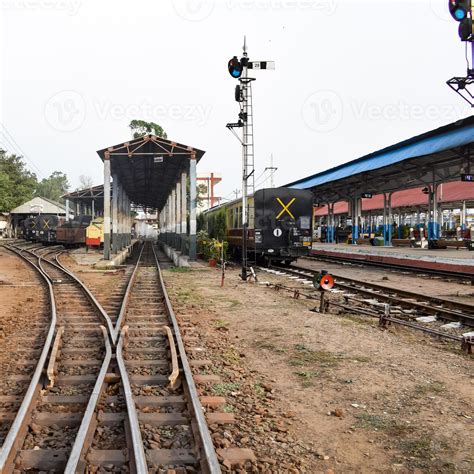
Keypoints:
pixel 155 174
pixel 427 160
pixel 88 201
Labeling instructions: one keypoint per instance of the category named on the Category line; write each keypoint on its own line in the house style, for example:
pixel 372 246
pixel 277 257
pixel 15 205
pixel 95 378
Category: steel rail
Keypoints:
pixel 78 446
pixel 123 308
pixel 91 297
pixel 11 438
pixel 137 441
pixel 450 314
pixel 207 444
pixel 390 266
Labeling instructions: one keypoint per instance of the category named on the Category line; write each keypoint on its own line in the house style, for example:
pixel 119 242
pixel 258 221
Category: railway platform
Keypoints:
pixel 449 259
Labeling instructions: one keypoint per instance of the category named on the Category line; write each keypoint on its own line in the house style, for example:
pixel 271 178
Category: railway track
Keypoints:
pixel 105 397
pixel 347 260
pixel 170 425
pixel 45 432
pixel 398 306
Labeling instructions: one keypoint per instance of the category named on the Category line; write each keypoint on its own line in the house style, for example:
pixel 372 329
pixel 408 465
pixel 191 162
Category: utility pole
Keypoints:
pixel 238 69
pixel 272 170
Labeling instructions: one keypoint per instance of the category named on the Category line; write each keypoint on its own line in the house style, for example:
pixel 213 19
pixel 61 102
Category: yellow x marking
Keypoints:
pixel 46 224
pixel 286 208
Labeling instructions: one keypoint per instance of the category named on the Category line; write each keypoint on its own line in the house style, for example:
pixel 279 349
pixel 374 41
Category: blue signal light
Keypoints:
pixel 460 14
pixel 236 73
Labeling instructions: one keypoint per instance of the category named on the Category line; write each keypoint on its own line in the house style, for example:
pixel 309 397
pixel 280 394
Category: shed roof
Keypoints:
pixel 87 195
pixel 414 162
pixel 39 204
pixel 148 181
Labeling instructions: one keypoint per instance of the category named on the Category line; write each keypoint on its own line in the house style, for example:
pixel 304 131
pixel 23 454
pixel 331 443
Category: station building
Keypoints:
pixel 421 182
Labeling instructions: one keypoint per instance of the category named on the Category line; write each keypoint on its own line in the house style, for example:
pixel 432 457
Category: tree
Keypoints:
pixel 53 187
pixel 201 194
pixel 17 184
pixel 141 128
pixel 85 182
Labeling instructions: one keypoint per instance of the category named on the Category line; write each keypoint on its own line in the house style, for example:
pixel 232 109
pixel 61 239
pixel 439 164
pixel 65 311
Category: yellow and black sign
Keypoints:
pixel 285 208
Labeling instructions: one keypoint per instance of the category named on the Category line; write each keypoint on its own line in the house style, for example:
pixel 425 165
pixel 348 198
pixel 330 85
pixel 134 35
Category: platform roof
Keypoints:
pixel 450 196
pixel 149 167
pixel 440 154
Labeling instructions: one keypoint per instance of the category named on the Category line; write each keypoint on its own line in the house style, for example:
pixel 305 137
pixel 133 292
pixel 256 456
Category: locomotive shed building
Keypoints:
pixel 156 174
pixel 88 201
pixel 427 160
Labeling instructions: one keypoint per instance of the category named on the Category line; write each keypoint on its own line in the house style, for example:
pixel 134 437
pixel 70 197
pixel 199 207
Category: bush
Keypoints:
pixel 210 248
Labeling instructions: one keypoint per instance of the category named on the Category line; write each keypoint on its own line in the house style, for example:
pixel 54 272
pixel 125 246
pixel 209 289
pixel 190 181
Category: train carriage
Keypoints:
pixel 46 227
pixel 280 224
pixel 73 232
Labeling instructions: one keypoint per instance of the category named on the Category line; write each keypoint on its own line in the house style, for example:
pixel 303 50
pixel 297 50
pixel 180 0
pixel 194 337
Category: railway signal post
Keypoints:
pixel 238 69
pixel 463 12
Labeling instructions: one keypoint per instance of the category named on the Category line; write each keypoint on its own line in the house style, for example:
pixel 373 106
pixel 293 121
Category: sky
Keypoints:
pixel 351 77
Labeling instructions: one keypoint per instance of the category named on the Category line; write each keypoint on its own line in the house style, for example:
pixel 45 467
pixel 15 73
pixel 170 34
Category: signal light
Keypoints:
pixel 235 67
pixel 323 281
pixel 460 10
pixel 238 93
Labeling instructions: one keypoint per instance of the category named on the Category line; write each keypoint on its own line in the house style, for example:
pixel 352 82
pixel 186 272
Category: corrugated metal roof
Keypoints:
pixel 148 182
pixel 454 192
pixel 444 138
pixel 46 206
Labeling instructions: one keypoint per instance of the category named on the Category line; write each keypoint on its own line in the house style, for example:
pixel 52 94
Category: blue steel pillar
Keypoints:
pixel 433 225
pixel 356 205
pixel 463 216
pixel 387 219
pixel 330 231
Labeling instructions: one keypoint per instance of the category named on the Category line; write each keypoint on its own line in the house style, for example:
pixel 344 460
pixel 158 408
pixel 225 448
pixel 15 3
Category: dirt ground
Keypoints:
pixel 328 393
pixel 23 308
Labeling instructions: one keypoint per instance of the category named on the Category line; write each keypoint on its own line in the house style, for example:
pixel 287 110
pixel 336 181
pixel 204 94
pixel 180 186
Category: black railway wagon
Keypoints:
pixel 29 229
pixel 73 232
pixel 283 223
pixel 46 225
pixel 280 224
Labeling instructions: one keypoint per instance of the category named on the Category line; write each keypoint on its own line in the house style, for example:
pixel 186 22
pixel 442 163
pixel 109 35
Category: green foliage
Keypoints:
pixel 17 184
pixel 217 225
pixel 201 191
pixel 211 248
pixel 201 222
pixel 141 128
pixel 53 187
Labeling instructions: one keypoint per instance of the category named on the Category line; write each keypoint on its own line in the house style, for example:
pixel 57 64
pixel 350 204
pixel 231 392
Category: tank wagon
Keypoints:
pixel 280 224
pixel 46 226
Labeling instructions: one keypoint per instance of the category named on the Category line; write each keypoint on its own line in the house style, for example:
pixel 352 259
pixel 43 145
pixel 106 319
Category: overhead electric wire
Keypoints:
pixel 13 147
